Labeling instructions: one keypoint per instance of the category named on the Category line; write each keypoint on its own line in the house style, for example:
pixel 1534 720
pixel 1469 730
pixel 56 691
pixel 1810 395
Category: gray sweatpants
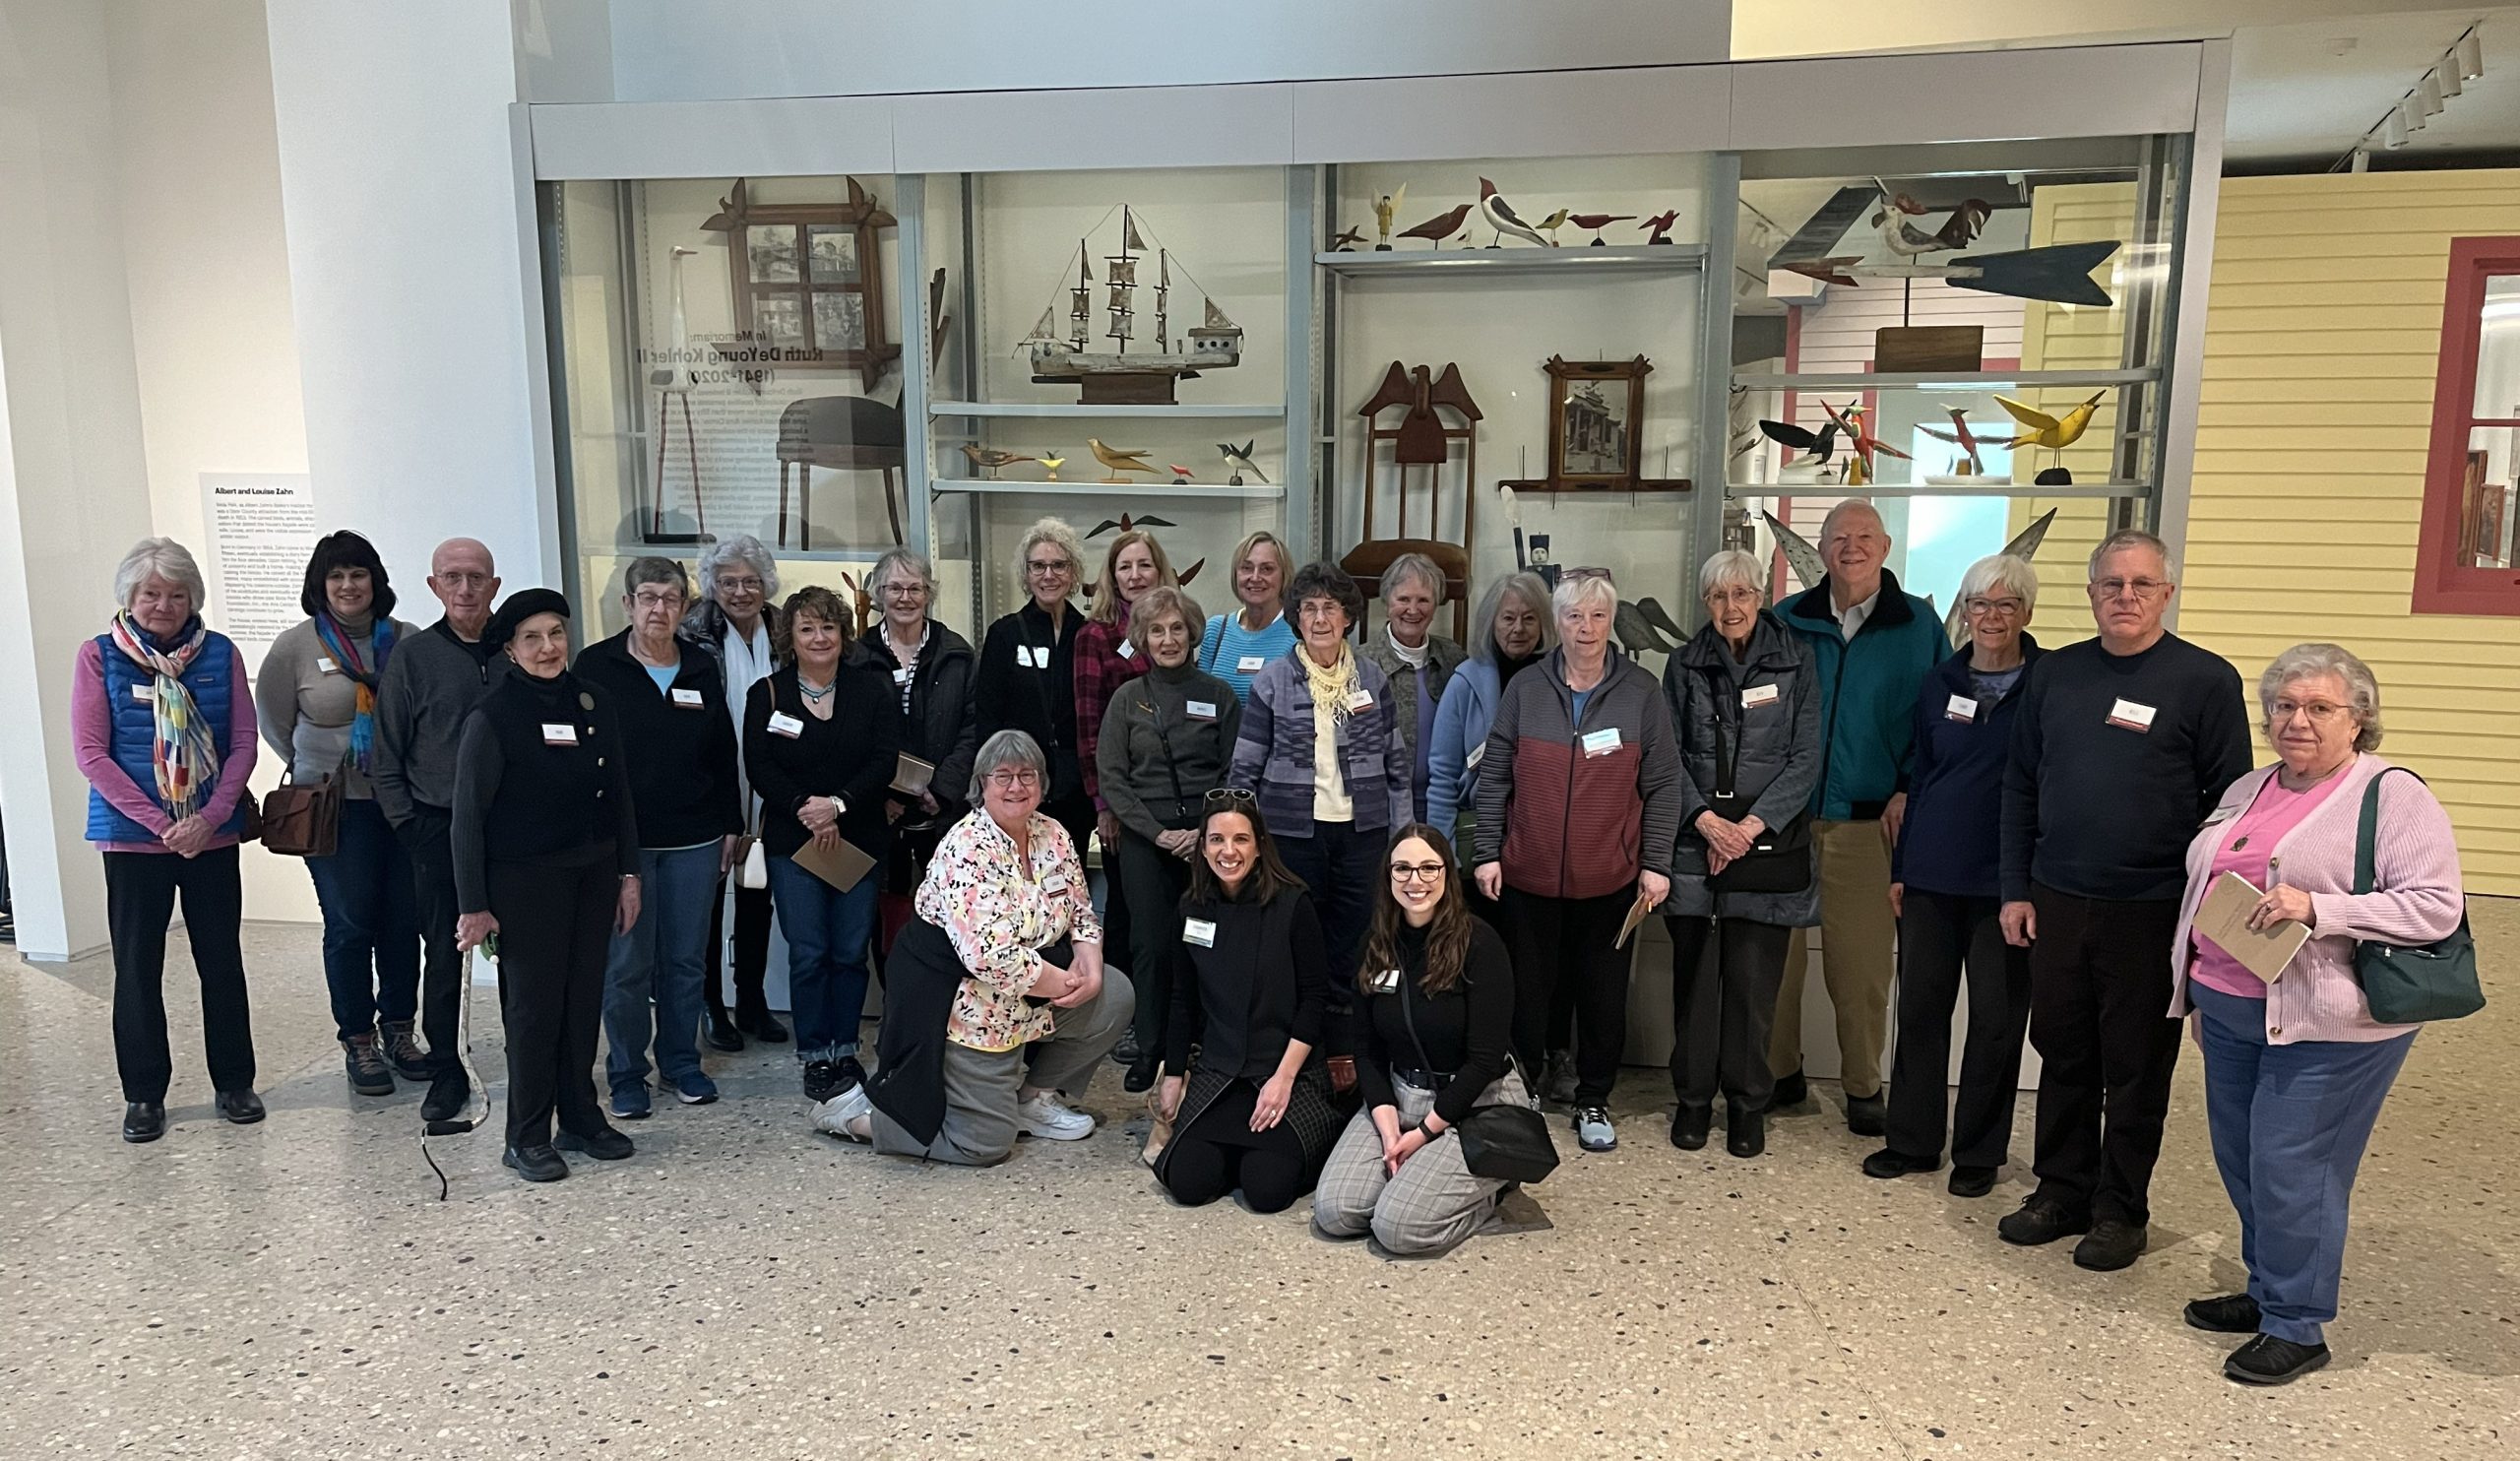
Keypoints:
pixel 982 1086
pixel 1432 1204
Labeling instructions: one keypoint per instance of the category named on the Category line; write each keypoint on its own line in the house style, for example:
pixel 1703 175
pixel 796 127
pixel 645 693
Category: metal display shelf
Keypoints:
pixel 1089 488
pixel 1569 262
pixel 1948 380
pixel 1188 411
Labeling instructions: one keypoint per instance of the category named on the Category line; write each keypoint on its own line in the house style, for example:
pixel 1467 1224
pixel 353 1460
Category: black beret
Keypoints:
pixel 520 606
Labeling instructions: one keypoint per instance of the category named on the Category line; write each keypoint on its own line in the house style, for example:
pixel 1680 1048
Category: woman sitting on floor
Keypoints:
pixel 1250 982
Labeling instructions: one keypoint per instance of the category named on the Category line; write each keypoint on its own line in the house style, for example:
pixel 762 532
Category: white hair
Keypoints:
pixel 1049 530
pixel 1578 587
pixel 2134 537
pixel 158 557
pixel 1417 566
pixel 1006 748
pixel 1728 567
pixel 743 549
pixel 2009 572
pixel 2310 661
pixel 1524 586
pixel 902 560
pixel 1847 505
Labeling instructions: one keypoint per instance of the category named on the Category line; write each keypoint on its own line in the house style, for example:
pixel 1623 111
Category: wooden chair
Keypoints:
pixel 843 434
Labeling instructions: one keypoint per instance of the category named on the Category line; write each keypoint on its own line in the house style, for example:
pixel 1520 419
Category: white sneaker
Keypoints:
pixel 834 1115
pixel 1048 1118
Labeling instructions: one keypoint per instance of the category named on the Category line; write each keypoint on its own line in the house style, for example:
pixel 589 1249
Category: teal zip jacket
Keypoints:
pixel 1869 687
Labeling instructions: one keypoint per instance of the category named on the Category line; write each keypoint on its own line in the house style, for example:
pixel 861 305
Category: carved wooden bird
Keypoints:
pixel 1183 475
pixel 1115 460
pixel 1818 443
pixel 1961 437
pixel 1907 239
pixel 1551 225
pixel 989 459
pixel 1420 440
pixel 1660 224
pixel 1499 216
pixel 1439 227
pixel 1053 465
pixel 2052 434
pixel 1240 457
pixel 1127 524
pixel 1597 222
pixel 1347 242
pixel 1861 443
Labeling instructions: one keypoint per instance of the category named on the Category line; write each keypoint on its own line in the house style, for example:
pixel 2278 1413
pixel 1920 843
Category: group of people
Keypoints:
pixel 1360 881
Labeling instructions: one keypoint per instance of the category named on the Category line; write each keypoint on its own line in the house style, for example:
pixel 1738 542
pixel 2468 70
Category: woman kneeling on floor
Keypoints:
pixel 1436 1031
pixel 1250 985
pixel 995 998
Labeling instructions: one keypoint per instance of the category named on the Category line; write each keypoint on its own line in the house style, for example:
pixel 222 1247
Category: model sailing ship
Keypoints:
pixel 1122 376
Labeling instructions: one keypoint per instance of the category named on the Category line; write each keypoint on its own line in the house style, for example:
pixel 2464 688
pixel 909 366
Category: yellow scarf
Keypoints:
pixel 1331 685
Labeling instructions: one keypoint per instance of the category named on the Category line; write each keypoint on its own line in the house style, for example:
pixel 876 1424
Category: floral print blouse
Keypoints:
pixel 999 912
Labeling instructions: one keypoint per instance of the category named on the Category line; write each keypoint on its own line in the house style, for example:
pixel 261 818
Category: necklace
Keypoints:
pixel 812 695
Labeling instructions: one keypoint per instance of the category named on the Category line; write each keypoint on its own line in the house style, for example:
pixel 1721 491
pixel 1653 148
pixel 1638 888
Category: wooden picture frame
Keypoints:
pixel 804 273
pixel 1596 429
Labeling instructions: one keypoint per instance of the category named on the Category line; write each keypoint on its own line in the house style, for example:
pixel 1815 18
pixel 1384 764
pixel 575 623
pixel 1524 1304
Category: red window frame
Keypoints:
pixel 2443 583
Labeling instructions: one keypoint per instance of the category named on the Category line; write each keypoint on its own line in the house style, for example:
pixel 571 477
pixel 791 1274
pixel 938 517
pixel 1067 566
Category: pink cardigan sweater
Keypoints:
pixel 2419 898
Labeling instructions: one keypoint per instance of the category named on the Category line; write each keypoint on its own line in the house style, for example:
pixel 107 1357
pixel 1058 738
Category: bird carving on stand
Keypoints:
pixel 1051 465
pixel 1861 443
pixel 1183 475
pixel 1818 443
pixel 1439 227
pixel 1597 222
pixel 1910 241
pixel 1115 461
pixel 1346 243
pixel 2052 434
pixel 1499 216
pixel 1659 226
pixel 1240 457
pixel 989 459
pixel 1551 225
pixel 1961 437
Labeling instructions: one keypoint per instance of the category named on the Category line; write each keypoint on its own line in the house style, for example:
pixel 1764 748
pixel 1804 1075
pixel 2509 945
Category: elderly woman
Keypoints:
pixel 1165 745
pixel 1946 886
pixel 2296 1070
pixel 316 695
pixel 164 724
pixel 822 739
pixel 1237 646
pixel 1418 662
pixel 1436 1043
pixel 1251 990
pixel 679 744
pixel 1746 707
pixel 1027 672
pixel 1320 744
pixel 1579 800
pixel 996 1002
pixel 931 668
pixel 1506 637
pixel 546 862
pixel 734 622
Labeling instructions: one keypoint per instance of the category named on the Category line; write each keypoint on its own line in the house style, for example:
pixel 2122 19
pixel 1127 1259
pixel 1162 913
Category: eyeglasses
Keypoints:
pixel 1732 595
pixel 2319 712
pixel 1045 567
pixel 1985 607
pixel 1232 797
pixel 1417 873
pixel 740 585
pixel 904 589
pixel 667 600
pixel 1582 575
pixel 1008 780
pixel 2140 589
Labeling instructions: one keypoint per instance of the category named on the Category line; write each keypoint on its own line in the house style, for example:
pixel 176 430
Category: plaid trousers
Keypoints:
pixel 1432 1204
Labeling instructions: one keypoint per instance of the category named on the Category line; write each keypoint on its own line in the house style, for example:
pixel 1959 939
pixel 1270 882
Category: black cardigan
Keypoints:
pixel 1261 983
pixel 1041 703
pixel 943 729
pixel 852 756
pixel 520 797
pixel 1468 1029
pixel 680 752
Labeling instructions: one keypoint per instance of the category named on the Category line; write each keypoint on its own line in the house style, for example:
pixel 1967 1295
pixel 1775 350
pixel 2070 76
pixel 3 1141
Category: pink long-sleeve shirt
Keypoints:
pixel 2419 898
pixel 92 729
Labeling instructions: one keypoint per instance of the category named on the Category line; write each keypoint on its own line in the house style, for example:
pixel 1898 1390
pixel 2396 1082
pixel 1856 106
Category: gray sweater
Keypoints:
pixel 305 708
pixel 431 683
pixel 1166 743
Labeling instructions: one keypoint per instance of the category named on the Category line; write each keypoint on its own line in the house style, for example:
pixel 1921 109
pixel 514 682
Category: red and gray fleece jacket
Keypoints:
pixel 1576 808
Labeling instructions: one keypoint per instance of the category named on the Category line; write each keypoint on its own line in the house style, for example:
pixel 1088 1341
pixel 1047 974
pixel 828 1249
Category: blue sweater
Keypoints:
pixel 1952 841
pixel 1227 645
pixel 1869 687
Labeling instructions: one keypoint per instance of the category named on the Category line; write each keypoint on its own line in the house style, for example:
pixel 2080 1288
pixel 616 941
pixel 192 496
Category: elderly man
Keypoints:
pixel 1871 647
pixel 428 687
pixel 2122 744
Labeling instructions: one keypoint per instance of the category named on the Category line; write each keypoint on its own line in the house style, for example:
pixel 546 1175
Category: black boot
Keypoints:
pixel 759 1023
pixel 449 1090
pixel 1746 1134
pixel 535 1163
pixel 1689 1126
pixel 1790 1089
pixel 721 1034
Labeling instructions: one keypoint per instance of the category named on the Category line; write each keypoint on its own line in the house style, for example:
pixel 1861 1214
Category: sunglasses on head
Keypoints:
pixel 1232 797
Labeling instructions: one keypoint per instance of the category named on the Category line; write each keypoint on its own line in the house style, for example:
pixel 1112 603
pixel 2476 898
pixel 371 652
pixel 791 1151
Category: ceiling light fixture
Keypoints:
pixel 2362 159
pixel 2427 95
pixel 2448 74
pixel 2429 98
pixel 2470 50
pixel 2393 131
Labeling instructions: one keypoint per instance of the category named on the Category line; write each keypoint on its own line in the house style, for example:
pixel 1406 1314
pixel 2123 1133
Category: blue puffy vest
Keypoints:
pixel 211 680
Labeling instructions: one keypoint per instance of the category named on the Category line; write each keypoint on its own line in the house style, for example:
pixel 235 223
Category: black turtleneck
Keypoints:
pixel 1166 741
pixel 1466 1032
pixel 1507 667
pixel 540 777
pixel 1260 981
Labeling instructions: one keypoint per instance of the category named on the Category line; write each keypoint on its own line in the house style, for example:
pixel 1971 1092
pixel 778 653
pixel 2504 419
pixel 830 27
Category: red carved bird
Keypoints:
pixel 1597 222
pixel 1661 224
pixel 1439 227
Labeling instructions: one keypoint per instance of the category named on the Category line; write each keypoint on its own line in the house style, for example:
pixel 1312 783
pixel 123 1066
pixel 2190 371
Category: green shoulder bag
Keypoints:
pixel 2411 983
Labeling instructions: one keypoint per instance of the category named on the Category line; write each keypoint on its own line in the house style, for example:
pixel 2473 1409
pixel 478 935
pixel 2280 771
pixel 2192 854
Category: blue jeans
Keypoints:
pixel 829 933
pixel 664 958
pixel 2290 1123
pixel 371 922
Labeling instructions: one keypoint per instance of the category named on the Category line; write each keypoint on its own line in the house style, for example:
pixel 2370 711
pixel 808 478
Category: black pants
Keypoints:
pixel 1724 974
pixel 1939 935
pixel 141 889
pixel 1152 881
pixel 1218 1152
pixel 1342 868
pixel 1564 943
pixel 2100 984
pixel 753 913
pixel 555 924
pixel 427 841
pixel 1561 1008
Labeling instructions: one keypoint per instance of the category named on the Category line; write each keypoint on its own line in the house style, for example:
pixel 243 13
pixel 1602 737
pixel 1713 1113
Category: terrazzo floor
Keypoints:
pixel 745 1289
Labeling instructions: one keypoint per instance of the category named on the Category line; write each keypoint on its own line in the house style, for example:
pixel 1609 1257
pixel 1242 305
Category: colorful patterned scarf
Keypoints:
pixel 181 751
pixel 345 653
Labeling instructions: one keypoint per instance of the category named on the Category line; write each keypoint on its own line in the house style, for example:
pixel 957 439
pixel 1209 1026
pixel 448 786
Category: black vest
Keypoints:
pixel 553 798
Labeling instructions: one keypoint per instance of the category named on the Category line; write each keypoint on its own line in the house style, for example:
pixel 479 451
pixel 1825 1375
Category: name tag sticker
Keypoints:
pixel 1251 664
pixel 2126 715
pixel 783 724
pixel 901 676
pixel 1029 658
pixel 1960 709
pixel 687 697
pixel 1201 710
pixel 559 733
pixel 1129 651
pixel 144 692
pixel 1359 700
pixel 1056 882
pixel 1387 981
pixel 1199 931
pixel 326 666
pixel 1758 695
pixel 1478 753
pixel 1601 742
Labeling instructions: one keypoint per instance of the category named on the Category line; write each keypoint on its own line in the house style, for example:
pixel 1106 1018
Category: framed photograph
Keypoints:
pixel 808 279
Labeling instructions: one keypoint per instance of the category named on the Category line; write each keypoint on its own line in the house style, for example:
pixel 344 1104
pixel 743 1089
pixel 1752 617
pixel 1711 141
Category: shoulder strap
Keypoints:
pixel 1409 1017
pixel 2366 836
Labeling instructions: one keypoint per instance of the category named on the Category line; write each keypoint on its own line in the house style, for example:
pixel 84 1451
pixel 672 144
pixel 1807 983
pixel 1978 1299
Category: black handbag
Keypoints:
pixel 1780 857
pixel 1503 1142
pixel 2410 984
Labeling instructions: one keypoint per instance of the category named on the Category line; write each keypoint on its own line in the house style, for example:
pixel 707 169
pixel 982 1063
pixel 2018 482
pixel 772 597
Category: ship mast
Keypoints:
pixel 1079 309
pixel 1162 289
pixel 1120 272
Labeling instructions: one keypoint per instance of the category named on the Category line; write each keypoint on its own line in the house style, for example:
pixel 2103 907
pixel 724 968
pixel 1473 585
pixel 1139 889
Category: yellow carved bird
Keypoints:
pixel 1116 461
pixel 2050 433
pixel 1052 464
pixel 1551 225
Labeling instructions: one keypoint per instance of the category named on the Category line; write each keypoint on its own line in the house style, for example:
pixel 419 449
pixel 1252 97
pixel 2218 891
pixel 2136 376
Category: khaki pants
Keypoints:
pixel 1858 957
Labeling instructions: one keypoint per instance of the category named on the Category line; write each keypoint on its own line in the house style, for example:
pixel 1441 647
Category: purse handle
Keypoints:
pixel 2366 834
